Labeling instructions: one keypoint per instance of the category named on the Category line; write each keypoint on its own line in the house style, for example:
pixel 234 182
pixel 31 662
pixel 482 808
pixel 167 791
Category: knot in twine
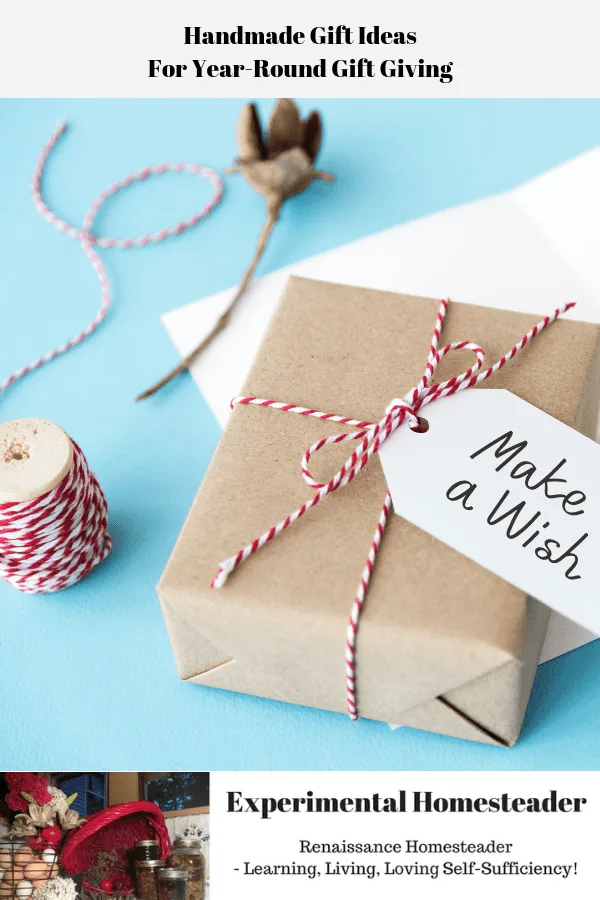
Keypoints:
pixel 371 437
pixel 49 543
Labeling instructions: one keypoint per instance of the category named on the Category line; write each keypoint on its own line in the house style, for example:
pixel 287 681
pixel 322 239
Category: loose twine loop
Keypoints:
pixel 371 437
pixel 51 542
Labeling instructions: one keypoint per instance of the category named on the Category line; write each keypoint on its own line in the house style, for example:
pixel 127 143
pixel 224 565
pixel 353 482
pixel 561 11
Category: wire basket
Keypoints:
pixel 23 869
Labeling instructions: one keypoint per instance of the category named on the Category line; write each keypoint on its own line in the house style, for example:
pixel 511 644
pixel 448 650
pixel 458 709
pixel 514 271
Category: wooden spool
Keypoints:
pixel 35 456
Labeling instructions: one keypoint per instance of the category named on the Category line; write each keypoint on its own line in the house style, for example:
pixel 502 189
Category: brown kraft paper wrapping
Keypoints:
pixel 444 645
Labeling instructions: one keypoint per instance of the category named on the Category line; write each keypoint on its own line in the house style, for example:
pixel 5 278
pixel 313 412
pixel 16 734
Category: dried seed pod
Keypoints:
pixel 277 164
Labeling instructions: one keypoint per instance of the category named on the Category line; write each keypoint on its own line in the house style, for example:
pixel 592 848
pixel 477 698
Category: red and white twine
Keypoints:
pixel 371 437
pixel 50 543
pixel 88 241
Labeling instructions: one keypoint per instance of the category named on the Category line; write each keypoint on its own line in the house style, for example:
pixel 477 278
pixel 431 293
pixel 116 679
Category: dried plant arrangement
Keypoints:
pixel 277 164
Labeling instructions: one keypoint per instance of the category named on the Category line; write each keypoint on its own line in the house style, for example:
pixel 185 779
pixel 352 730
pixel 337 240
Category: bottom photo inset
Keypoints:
pixel 100 835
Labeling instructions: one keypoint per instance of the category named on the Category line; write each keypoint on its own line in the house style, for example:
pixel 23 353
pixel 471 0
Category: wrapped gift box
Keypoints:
pixel 458 659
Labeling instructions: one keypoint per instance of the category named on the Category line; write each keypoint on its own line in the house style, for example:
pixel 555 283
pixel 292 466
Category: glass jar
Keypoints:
pixel 146 877
pixel 172 884
pixel 187 854
pixel 146 850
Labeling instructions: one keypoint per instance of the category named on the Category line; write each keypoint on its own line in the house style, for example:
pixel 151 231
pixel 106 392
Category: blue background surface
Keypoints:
pixel 87 678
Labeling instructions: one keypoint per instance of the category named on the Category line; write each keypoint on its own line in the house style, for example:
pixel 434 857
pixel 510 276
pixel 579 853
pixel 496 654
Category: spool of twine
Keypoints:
pixel 53 513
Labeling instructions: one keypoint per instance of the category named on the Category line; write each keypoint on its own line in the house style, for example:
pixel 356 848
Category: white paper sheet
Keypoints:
pixel 529 250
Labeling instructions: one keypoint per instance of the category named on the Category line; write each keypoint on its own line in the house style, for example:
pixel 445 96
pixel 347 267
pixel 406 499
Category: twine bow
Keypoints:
pixel 371 437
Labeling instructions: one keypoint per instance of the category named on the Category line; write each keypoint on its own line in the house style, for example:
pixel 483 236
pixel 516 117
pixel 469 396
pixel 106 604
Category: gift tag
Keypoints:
pixel 509 487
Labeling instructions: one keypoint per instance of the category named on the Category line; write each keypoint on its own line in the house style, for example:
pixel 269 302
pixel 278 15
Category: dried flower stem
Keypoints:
pixel 278 164
pixel 267 229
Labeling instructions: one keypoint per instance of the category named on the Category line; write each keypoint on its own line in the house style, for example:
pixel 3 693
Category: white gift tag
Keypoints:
pixel 509 487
